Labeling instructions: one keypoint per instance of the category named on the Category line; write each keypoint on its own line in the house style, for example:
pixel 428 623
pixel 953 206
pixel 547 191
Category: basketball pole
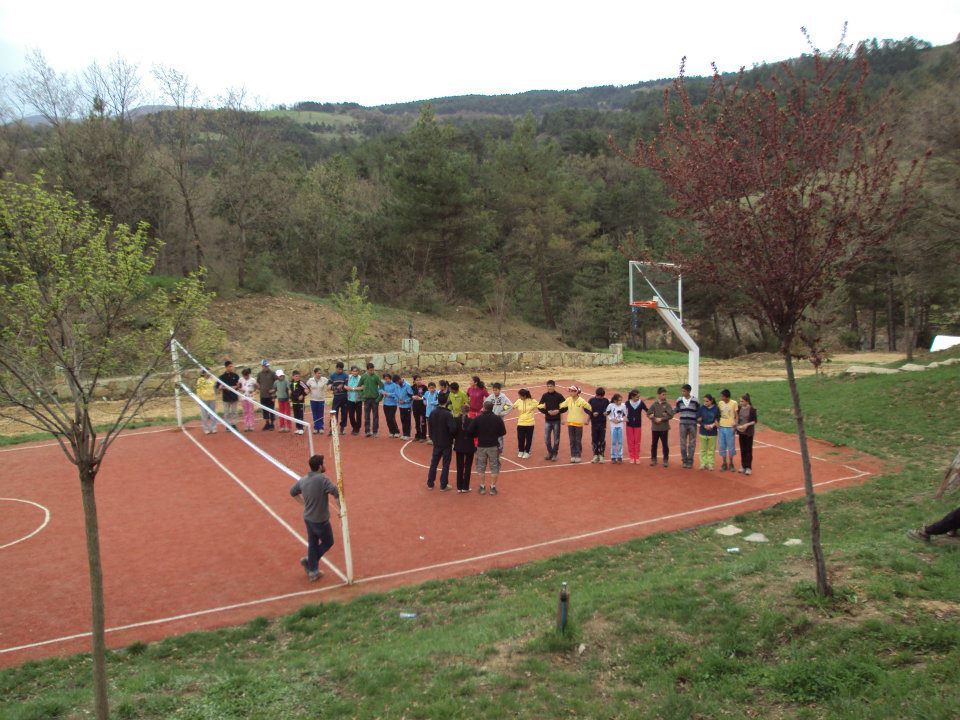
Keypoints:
pixel 344 520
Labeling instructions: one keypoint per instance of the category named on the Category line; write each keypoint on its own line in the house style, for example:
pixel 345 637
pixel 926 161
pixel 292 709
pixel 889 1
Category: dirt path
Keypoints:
pixel 753 368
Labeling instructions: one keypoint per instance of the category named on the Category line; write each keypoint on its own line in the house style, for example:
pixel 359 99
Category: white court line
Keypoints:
pixel 123 434
pixel 436 566
pixel 174 618
pixel 46 519
pixel 262 504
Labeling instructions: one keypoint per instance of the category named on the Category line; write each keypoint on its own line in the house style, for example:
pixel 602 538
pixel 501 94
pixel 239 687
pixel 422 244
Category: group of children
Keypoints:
pixel 408 405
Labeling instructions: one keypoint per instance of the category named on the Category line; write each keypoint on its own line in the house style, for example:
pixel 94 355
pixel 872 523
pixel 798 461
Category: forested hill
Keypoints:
pixel 515 205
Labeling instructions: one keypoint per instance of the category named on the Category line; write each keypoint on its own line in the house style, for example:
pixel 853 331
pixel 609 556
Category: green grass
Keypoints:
pixel 655 357
pixel 670 626
pixel 309 117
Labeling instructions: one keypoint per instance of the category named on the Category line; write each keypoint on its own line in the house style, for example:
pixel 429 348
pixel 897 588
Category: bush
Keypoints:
pixel 260 276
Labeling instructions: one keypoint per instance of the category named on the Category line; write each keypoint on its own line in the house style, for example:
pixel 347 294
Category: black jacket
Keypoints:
pixel 464 442
pixel 443 428
pixel 488 429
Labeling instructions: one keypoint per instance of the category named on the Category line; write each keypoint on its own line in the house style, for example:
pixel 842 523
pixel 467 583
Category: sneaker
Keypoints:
pixel 429 442
pixel 919 534
pixel 519 454
pixel 404 437
pixel 314 576
pixel 748 471
pixel 548 457
pixel 493 489
pixel 574 460
pixel 600 459
pixel 355 432
pixel 666 464
pixel 300 431
pixel 429 487
pixel 596 459
pixel 653 463
pixel 373 435
pixel 444 488
pixel 724 467
pixel 482 490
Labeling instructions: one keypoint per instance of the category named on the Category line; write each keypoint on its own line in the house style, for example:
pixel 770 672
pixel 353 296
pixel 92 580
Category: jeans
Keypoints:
pixel 339 408
pixel 725 443
pixel 354 414
pixel 616 442
pixel 746 451
pixel 688 443
pixel 316 409
pixel 552 436
pixel 208 412
pixel 575 433
pixel 230 412
pixel 371 416
pixel 659 436
pixel 268 406
pixel 598 437
pixel 439 454
pixel 524 438
pixel 319 540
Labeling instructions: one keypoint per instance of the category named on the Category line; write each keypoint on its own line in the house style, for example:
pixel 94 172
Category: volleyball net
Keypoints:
pixel 287 448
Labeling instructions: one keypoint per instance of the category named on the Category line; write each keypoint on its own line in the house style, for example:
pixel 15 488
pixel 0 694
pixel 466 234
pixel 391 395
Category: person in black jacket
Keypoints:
pixel 465 450
pixel 488 429
pixel 598 423
pixel 443 429
pixel 550 406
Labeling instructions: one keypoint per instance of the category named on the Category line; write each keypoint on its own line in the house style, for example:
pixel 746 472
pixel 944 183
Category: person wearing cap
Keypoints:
pixel 318 397
pixel 281 390
pixel 265 380
pixel 488 428
pixel 550 405
pixel 578 413
pixel 313 490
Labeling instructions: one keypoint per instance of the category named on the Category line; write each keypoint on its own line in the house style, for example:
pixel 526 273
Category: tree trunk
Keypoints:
pixel 951 478
pixel 873 321
pixel 542 280
pixel 823 583
pixel 736 332
pixel 716 329
pixel 891 319
pixel 854 319
pixel 99 649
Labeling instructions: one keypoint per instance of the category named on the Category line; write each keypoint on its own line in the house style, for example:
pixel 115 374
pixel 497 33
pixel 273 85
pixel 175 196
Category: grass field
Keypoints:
pixel 671 626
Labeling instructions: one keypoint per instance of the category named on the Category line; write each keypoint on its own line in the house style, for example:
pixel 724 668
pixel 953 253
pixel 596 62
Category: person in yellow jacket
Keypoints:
pixel 207 392
pixel 578 414
pixel 527 407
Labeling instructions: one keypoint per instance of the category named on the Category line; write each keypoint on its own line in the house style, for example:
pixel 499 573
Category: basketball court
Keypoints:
pixel 198 532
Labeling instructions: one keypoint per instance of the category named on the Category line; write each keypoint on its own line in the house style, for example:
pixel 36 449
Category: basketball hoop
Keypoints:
pixel 649 304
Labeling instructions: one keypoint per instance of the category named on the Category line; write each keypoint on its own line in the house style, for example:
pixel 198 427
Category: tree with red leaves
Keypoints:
pixel 788 187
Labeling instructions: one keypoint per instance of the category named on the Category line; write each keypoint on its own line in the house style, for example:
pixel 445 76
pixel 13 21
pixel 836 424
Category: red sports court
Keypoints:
pixel 198 531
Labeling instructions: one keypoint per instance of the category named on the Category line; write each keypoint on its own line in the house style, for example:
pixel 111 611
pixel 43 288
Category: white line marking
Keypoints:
pixel 436 566
pixel 595 533
pixel 174 618
pixel 262 504
pixel 46 519
pixel 125 433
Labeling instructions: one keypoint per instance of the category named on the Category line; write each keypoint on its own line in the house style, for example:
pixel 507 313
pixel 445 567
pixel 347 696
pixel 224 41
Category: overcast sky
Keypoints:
pixel 378 52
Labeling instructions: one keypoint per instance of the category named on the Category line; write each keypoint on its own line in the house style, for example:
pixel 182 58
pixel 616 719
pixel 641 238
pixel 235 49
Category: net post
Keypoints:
pixel 177 379
pixel 344 520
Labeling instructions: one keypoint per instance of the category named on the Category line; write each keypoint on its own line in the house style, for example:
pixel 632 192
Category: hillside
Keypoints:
pixel 294 325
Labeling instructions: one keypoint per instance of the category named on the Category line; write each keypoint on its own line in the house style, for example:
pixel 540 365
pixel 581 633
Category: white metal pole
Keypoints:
pixel 176 379
pixel 344 520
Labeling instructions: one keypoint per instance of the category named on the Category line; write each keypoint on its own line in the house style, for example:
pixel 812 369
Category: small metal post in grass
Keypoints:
pixel 563 608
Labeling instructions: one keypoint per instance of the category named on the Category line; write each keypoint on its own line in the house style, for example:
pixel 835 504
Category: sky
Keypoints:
pixel 379 52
